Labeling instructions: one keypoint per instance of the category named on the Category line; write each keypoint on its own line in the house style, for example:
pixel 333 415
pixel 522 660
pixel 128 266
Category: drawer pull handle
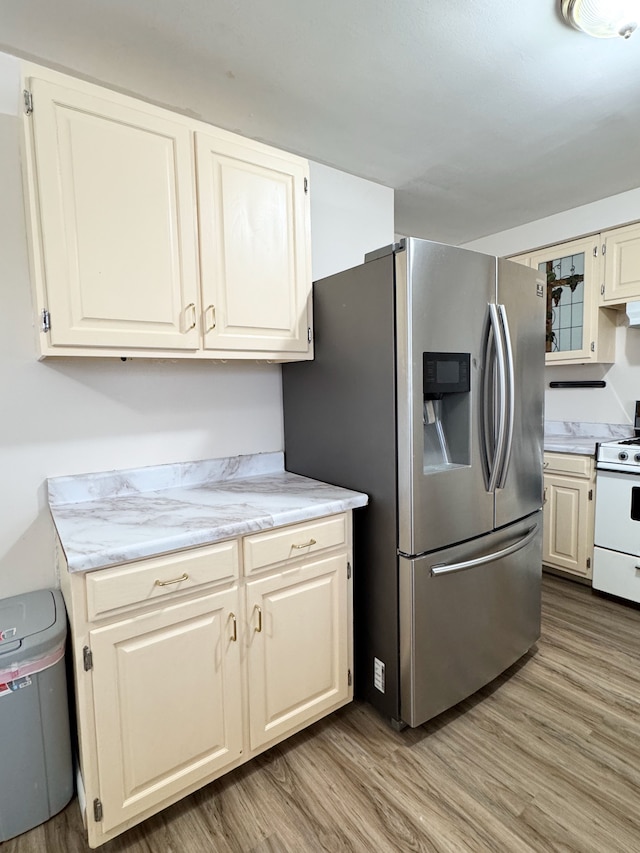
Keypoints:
pixel 212 324
pixel 191 306
pixel 234 636
pixel 183 577
pixel 259 627
pixel 306 544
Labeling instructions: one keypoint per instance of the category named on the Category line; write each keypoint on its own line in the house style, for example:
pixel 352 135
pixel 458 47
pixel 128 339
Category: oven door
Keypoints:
pixel 618 511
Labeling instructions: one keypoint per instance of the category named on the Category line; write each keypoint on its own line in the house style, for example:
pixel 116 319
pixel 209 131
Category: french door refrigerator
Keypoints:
pixel 426 392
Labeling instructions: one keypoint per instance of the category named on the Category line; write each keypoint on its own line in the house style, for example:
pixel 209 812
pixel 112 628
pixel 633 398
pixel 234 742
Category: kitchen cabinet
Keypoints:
pixel 578 329
pixel 189 664
pixel 153 234
pixel 621 254
pixel 568 515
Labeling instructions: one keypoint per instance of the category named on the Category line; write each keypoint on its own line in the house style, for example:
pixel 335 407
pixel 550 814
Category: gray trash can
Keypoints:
pixel 35 748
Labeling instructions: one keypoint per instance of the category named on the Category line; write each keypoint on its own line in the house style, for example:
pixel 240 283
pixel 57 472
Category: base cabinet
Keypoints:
pixel 189 665
pixel 568 519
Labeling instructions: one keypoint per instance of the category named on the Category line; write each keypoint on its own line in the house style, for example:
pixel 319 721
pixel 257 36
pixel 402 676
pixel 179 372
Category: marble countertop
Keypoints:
pixel 580 437
pixel 109 518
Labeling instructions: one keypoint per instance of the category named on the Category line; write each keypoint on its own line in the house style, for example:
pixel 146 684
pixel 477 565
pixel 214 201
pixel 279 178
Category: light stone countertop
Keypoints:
pixel 580 437
pixel 109 518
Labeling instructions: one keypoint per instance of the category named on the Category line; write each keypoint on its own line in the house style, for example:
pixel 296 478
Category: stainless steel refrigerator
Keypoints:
pixel 426 392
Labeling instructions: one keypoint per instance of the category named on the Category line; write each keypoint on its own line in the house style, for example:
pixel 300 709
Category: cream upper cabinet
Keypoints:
pixel 568 515
pixel 621 252
pixel 253 215
pixel 138 250
pixel 578 331
pixel 117 220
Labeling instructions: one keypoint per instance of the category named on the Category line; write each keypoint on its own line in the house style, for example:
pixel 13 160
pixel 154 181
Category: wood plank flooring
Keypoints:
pixel 546 758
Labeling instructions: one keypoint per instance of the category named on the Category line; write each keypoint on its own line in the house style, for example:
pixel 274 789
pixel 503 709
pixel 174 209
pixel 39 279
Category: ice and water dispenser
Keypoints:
pixel 446 388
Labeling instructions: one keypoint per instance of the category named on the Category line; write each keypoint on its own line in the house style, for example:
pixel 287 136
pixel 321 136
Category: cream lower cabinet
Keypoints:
pixel 141 248
pixel 190 664
pixel 568 517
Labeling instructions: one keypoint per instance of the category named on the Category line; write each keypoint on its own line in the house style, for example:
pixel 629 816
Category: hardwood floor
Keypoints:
pixel 546 758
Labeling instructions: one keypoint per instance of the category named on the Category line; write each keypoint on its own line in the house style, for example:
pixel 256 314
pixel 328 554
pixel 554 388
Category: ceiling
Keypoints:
pixel 481 114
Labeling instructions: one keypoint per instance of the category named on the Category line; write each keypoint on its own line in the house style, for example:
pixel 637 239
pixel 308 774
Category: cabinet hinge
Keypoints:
pixel 588 562
pixel 590 494
pixel 349 678
pixel 87 658
pixel 97 810
pixel 348 570
pixel 593 346
pixel 28 102
pixel 46 320
pixel 306 185
pixel 309 335
pixel 602 290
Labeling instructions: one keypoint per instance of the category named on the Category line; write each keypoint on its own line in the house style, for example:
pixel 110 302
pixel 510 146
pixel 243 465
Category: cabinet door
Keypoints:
pixel 167 698
pixel 254 247
pixel 298 638
pixel 115 189
pixel 571 270
pixel 621 249
pixel 568 524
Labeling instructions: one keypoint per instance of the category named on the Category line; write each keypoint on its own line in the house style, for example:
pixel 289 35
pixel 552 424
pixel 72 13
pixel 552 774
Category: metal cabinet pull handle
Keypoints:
pixel 259 628
pixel 212 325
pixel 191 306
pixel 234 636
pixel 183 577
pixel 305 544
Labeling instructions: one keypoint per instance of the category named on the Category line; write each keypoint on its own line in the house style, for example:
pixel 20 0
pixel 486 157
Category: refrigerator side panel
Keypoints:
pixel 460 630
pixel 340 427
pixel 524 304
pixel 444 293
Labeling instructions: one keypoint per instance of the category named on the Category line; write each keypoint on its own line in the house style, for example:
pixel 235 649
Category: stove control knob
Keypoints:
pixel 623 455
pixel 636 458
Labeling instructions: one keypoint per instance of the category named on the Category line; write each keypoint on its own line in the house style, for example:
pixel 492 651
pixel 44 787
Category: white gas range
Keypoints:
pixel 616 564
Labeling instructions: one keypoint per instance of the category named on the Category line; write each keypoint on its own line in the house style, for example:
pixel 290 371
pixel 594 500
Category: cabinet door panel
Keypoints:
pixel 167 702
pixel 566 524
pixel 254 247
pixel 622 265
pixel 298 661
pixel 116 196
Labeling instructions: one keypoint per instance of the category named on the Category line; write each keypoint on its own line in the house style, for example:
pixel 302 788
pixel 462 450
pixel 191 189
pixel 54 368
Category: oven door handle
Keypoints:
pixel 449 568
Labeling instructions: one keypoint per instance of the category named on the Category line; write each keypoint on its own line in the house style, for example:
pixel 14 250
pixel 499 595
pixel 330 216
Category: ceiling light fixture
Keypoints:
pixel 602 18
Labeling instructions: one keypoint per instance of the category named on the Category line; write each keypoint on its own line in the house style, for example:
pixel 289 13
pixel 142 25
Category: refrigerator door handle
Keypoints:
pixel 509 407
pixel 449 568
pixel 501 358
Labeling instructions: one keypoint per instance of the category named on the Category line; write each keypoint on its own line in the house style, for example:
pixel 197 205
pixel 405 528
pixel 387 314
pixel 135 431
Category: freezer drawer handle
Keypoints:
pixel 446 569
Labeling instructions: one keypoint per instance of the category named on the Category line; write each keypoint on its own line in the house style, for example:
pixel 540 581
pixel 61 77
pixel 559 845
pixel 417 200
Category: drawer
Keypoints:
pixel 568 463
pixel 616 573
pixel 148 580
pixel 293 542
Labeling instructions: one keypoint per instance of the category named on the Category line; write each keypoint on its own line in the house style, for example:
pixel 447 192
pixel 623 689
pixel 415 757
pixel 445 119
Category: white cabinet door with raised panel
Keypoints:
pixel 118 242
pixel 567 533
pixel 621 248
pixel 254 247
pixel 167 702
pixel 298 641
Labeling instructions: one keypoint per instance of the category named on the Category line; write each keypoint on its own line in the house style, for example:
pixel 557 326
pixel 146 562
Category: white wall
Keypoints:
pixel 71 415
pixel 615 403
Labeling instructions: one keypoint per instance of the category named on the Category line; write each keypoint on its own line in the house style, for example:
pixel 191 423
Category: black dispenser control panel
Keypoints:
pixel 445 373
